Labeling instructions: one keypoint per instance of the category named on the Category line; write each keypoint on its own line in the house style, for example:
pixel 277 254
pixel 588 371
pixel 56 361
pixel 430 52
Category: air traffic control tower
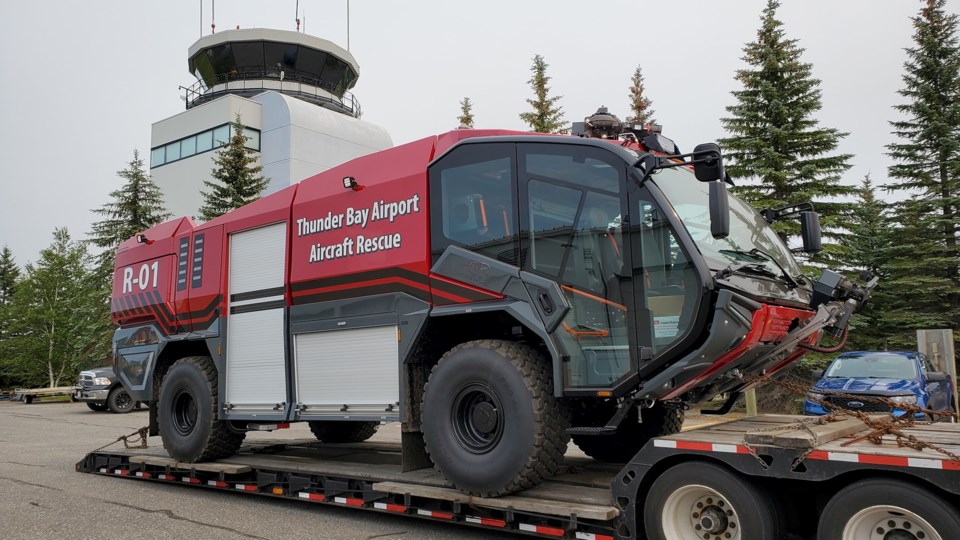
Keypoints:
pixel 292 92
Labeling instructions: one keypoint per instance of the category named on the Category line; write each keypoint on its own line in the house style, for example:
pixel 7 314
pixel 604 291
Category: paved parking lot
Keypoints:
pixel 41 495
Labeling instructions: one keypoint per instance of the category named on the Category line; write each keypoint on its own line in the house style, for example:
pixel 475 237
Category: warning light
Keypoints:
pixel 350 182
pixel 278 491
pixel 604 393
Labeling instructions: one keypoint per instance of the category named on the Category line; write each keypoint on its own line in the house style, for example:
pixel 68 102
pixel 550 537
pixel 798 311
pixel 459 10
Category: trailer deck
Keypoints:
pixel 588 500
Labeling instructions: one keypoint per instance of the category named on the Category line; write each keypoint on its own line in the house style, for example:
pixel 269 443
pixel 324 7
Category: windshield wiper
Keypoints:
pixel 760 256
pixel 752 268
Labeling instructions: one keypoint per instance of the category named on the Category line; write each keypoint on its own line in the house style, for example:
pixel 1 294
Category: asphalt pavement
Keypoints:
pixel 42 496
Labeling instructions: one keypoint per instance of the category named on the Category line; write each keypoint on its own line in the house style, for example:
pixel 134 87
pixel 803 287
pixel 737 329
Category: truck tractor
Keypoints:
pixel 496 292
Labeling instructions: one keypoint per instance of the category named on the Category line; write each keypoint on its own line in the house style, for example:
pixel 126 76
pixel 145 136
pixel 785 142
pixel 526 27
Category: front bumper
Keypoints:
pixel 815 409
pixel 91 394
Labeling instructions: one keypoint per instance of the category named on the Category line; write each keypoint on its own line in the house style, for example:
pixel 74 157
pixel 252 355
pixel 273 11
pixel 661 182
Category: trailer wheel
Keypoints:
pixel 630 436
pixel 187 412
pixel 119 401
pixel 490 421
pixel 701 500
pixel 97 406
pixel 333 431
pixel 887 508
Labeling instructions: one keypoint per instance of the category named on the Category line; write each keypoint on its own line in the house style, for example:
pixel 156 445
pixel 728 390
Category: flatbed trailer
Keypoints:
pixel 29 394
pixel 808 473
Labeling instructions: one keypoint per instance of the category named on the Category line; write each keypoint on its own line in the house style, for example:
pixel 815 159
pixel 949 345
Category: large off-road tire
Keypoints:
pixel 490 421
pixel 630 436
pixel 97 406
pixel 187 413
pixel 887 508
pixel 119 401
pixel 702 500
pixel 334 431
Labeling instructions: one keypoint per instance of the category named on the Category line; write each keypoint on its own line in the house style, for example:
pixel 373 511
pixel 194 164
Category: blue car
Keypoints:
pixel 900 376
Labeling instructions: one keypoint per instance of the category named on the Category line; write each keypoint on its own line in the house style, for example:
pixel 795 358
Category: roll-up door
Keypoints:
pixel 255 362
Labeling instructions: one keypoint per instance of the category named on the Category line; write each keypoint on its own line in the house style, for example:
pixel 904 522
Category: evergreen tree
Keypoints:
pixel 236 175
pixel 9 275
pixel 927 157
pixel 547 116
pixel 775 143
pixel 868 247
pixel 640 110
pixel 60 315
pixel 135 207
pixel 919 296
pixel 466 113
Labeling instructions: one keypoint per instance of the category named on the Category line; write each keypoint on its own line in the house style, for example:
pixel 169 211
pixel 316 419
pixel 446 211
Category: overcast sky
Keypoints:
pixel 83 81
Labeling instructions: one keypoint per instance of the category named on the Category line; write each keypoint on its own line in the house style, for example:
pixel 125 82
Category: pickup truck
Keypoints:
pixel 901 376
pixel 101 390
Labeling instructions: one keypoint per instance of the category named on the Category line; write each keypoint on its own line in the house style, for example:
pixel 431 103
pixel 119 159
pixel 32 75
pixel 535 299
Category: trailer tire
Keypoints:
pixel 490 421
pixel 187 413
pixel 630 436
pixel 119 401
pixel 862 508
pixel 334 431
pixel 97 407
pixel 698 494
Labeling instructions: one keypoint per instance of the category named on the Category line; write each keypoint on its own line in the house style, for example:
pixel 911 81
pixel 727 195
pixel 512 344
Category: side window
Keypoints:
pixel 472 200
pixel 664 273
pixel 551 211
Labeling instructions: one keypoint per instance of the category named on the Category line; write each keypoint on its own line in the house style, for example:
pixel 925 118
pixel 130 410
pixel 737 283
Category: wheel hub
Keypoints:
pixel 184 409
pixel 884 522
pixel 713 518
pixel 477 418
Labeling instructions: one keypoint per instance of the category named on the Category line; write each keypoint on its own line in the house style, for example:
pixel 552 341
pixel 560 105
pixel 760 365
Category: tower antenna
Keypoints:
pixel 201 18
pixel 213 16
pixel 296 14
pixel 348 25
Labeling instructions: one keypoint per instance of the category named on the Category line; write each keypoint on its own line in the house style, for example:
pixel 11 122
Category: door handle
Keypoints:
pixel 546 303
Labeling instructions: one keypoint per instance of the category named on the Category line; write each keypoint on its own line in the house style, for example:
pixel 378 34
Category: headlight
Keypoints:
pixel 811 395
pixel 909 400
pixel 102 381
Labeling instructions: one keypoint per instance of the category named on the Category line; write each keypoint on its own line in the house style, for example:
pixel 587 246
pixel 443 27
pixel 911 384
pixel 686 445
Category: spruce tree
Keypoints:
pixel 9 275
pixel 135 207
pixel 868 246
pixel 640 111
pixel 926 152
pixel 776 151
pixel 236 176
pixel 547 116
pixel 466 113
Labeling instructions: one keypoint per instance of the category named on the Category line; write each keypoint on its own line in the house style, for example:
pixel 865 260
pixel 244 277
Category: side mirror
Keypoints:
pixel 707 162
pixel 936 376
pixel 719 209
pixel 817 374
pixel 810 231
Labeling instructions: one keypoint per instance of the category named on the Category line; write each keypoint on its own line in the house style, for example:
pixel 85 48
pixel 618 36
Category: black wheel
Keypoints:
pixel 333 431
pixel 98 407
pixel 187 412
pixel 701 500
pixel 887 508
pixel 630 436
pixel 119 401
pixel 490 421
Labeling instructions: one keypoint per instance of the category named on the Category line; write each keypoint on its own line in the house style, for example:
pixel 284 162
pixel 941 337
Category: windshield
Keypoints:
pixel 874 366
pixel 748 231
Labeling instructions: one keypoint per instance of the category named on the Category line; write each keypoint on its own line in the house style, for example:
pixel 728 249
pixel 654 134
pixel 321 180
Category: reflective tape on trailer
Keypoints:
pixel 143 475
pixel 217 483
pixel 437 515
pixel 540 529
pixel 348 501
pixel 312 496
pixel 489 522
pixel 169 477
pixel 399 508
pixel 701 446
pixel 890 461
pixel 121 472
pixel 592 536
pixel 267 427
pixel 190 480
pixel 246 487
